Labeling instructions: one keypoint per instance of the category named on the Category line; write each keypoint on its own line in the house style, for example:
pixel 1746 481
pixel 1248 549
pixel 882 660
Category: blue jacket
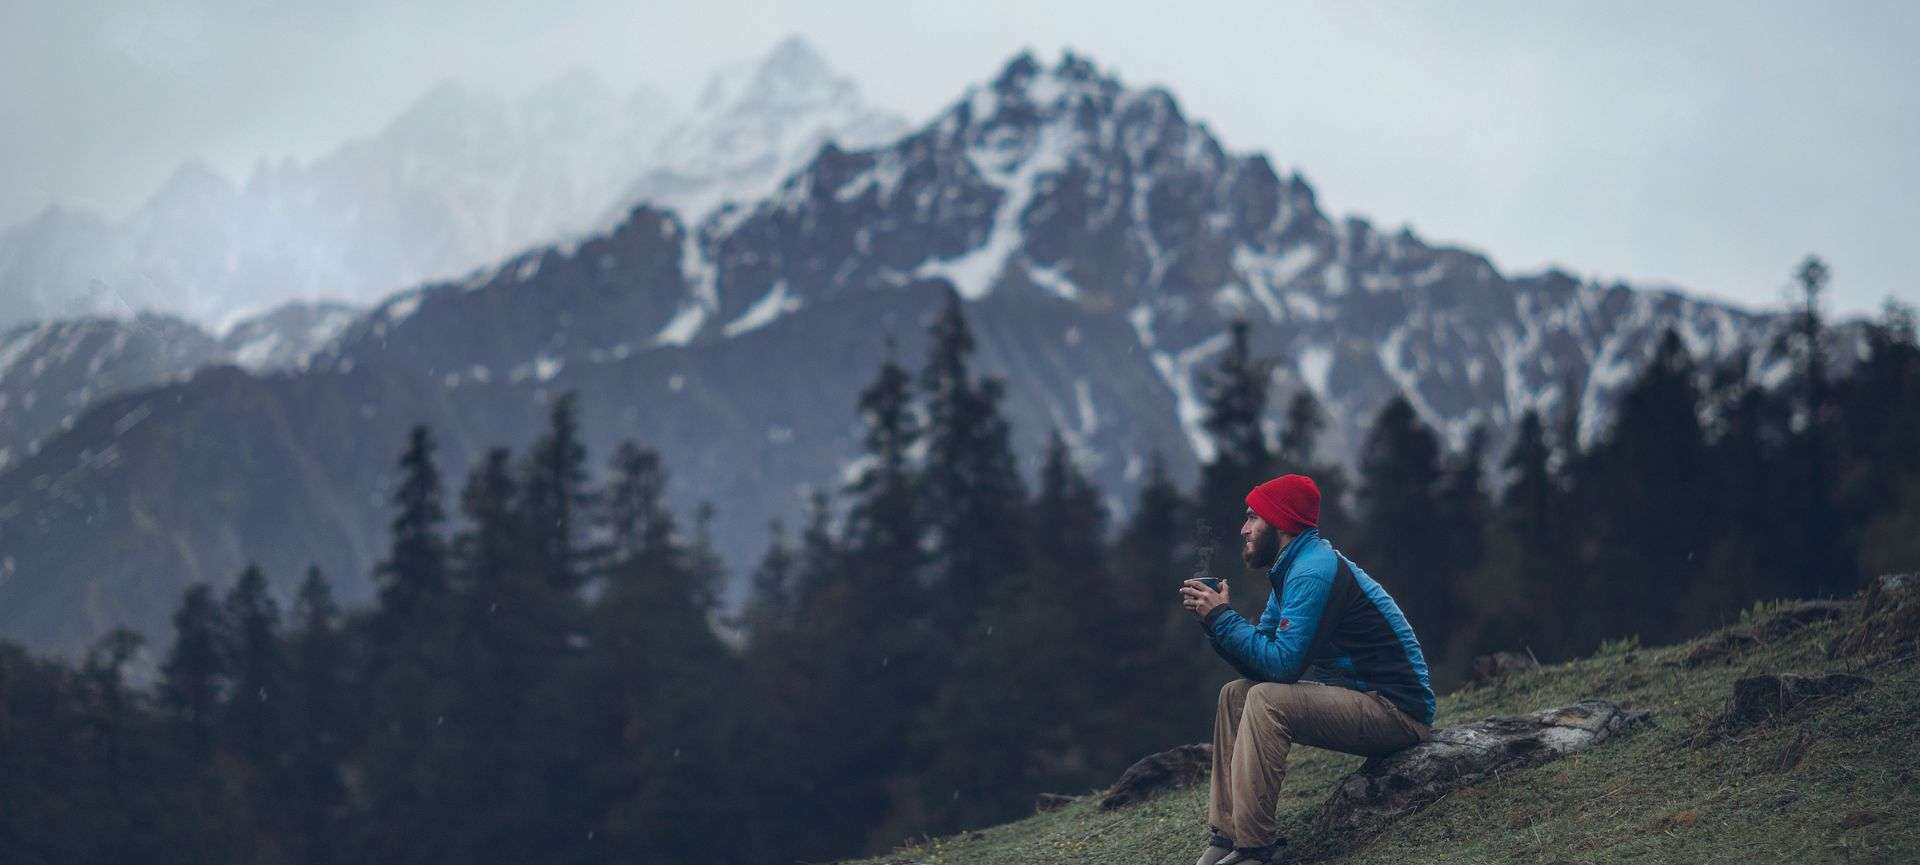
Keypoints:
pixel 1326 621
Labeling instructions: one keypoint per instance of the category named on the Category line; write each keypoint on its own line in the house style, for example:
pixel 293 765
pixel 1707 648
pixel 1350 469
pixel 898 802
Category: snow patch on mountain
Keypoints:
pixel 774 304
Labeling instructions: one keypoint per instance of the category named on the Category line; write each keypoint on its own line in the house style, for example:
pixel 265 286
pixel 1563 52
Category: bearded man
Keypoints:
pixel 1332 663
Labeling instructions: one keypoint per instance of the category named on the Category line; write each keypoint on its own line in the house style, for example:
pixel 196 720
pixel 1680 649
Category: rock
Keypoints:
pixel 1387 788
pixel 1158 773
pixel 1719 647
pixel 1051 802
pixel 1759 698
pixel 1790 619
pixel 1499 665
pixel 1725 645
pixel 1889 620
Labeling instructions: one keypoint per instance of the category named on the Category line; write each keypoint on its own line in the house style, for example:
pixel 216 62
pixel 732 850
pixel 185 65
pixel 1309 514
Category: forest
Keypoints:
pixel 548 672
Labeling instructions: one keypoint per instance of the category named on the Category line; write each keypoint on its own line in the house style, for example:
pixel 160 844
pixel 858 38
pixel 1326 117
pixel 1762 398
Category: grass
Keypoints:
pixel 1832 782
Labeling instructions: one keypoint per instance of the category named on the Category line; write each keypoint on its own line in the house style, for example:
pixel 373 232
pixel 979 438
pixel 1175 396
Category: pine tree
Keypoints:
pixel 1880 409
pixel 1175 674
pixel 884 523
pixel 1305 426
pixel 195 678
pixel 706 573
pixel 971 486
pixel 554 497
pixel 1466 510
pixel 413 577
pixel 516 621
pixel 1644 488
pixel 1824 571
pixel 119 798
pixel 1401 542
pixel 1743 564
pixel 1005 727
pixel 641 526
pixel 409 670
pixel 656 692
pixel 1236 403
pixel 820 553
pixel 770 588
pixel 259 668
pixel 319 737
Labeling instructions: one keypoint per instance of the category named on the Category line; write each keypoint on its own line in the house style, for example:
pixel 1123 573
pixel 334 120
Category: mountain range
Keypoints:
pixel 1101 242
pixel 461 178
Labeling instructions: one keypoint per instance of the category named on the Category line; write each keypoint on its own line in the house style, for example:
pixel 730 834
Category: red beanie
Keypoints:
pixel 1290 502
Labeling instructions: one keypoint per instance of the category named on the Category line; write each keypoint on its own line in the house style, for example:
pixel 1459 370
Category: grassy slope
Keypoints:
pixel 1648 797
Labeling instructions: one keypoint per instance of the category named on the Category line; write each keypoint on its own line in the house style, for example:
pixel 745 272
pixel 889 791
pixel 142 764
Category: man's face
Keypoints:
pixel 1259 542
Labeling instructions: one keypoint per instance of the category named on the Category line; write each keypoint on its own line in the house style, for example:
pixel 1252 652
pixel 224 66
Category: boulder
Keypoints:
pixel 1757 699
pixel 1387 788
pixel 1158 773
pixel 1499 665
pixel 1889 621
pixel 1722 646
pixel 1726 645
pixel 1792 618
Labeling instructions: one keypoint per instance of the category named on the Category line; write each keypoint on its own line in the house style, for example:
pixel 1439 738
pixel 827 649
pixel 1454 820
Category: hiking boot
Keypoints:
pixel 1218 847
pixel 1252 855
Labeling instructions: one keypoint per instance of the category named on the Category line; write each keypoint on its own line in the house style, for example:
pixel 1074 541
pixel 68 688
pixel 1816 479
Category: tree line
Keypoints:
pixel 547 673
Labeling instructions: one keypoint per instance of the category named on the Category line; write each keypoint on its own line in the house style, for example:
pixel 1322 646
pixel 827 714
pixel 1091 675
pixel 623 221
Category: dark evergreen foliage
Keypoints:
pixel 556 682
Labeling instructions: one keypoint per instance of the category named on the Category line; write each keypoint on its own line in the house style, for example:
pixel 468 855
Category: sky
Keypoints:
pixel 1705 146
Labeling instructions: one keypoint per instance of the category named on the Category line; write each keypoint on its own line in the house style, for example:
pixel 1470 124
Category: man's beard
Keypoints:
pixel 1266 549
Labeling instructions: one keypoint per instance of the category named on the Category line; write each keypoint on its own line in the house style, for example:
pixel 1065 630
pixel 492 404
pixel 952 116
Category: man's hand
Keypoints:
pixel 1195 596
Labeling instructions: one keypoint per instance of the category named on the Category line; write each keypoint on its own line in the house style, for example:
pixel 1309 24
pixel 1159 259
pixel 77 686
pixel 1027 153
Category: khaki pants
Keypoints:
pixel 1257 723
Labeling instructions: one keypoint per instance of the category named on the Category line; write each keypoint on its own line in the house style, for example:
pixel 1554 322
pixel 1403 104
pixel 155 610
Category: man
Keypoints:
pixel 1332 663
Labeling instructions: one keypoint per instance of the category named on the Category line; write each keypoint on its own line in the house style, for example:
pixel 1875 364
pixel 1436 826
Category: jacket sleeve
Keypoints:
pixel 1275 651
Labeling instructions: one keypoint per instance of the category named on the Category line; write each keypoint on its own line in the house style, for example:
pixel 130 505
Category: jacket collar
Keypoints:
pixel 1287 556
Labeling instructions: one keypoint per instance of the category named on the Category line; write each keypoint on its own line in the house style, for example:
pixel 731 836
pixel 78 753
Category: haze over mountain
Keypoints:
pixel 463 177
pixel 1100 240
pixel 207 272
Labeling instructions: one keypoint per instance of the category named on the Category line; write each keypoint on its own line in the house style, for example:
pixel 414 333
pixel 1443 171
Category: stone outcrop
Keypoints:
pixel 1757 699
pixel 1890 622
pixel 1728 645
pixel 1157 773
pixel 1385 789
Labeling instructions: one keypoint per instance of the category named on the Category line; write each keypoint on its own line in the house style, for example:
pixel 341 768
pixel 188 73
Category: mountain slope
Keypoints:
pixel 1829 783
pixel 1101 239
pixel 52 371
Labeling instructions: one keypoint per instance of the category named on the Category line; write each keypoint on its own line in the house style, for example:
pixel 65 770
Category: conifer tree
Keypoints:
pixel 254 655
pixel 320 735
pixel 1401 542
pixel 515 620
pixel 1236 403
pixel 1823 572
pixel 656 690
pixel 1175 673
pixel 883 523
pixel 639 523
pixel 1644 488
pixel 819 554
pixel 770 588
pixel 413 577
pixel 1305 426
pixel 1005 727
pixel 971 486
pixel 409 668
pixel 195 678
pixel 555 497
